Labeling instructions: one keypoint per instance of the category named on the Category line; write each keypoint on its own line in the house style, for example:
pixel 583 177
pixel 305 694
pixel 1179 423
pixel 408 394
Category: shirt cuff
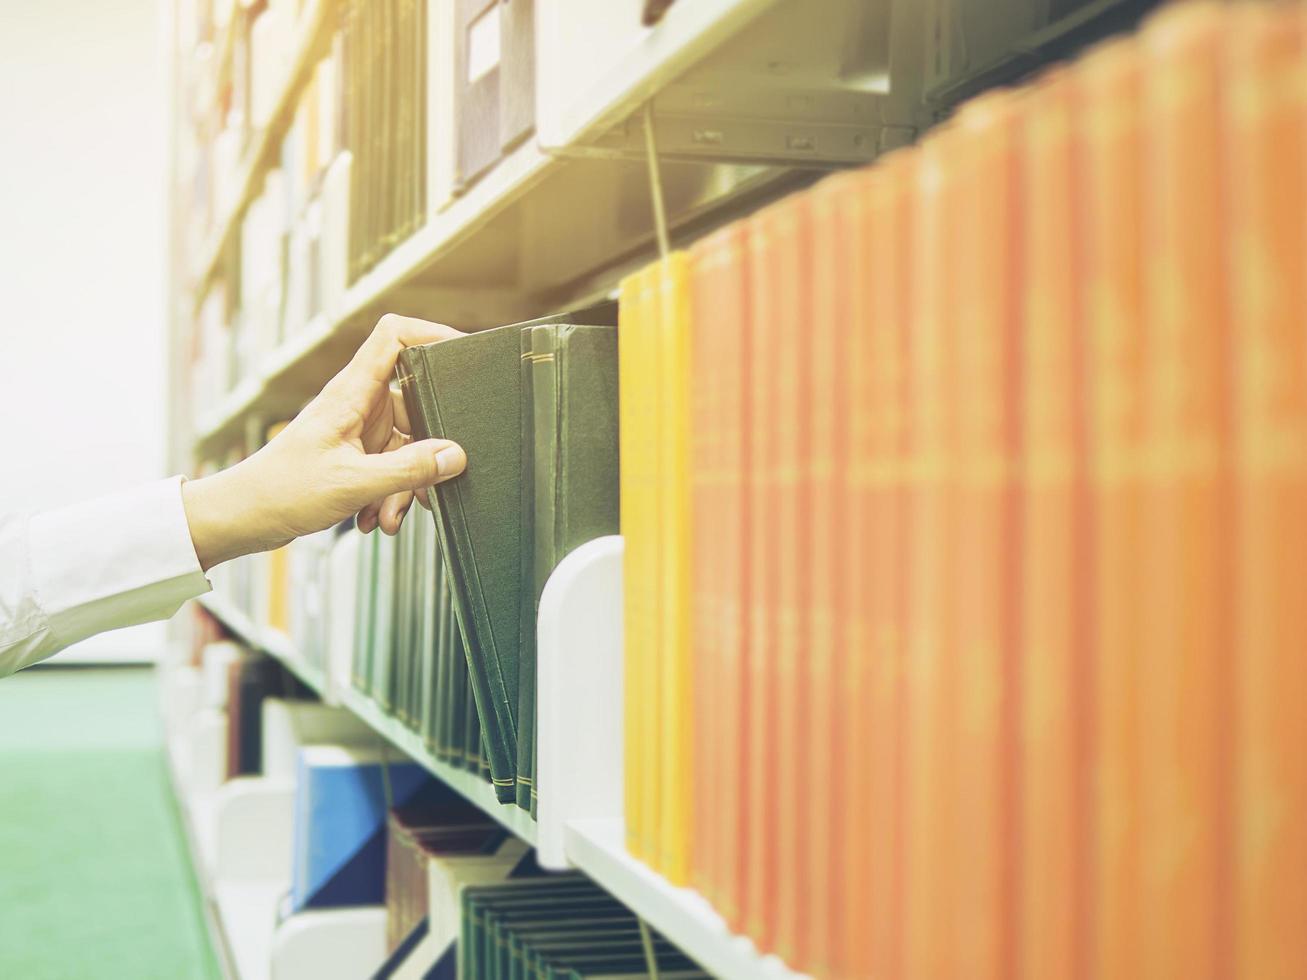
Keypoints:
pixel 118 560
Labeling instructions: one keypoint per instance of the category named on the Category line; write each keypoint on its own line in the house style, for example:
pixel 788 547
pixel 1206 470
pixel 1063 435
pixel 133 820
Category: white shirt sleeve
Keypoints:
pixel 117 560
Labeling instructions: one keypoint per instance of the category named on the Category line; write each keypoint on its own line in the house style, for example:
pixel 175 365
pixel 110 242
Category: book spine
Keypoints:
pixel 987 545
pixel 870 832
pixel 708 359
pixel 543 390
pixel 828 305
pixel 790 473
pixel 676 721
pixel 527 535
pixel 631 365
pixel 758 883
pixel 1184 575
pixel 719 393
pixel 1266 105
pixel 1109 189
pixel 931 701
pixel 498 725
pixel 1054 693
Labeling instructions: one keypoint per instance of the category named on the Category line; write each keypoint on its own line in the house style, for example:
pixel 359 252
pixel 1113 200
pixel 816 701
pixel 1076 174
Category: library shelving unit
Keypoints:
pixel 643 135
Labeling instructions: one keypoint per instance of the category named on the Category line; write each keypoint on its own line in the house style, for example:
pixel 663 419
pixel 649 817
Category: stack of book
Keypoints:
pixel 560 927
pixel 536 406
pixel 962 497
pixel 384 75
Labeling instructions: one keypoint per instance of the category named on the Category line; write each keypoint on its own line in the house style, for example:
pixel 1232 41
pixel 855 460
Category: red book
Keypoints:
pixel 1266 198
pixel 720 365
pixel 1184 579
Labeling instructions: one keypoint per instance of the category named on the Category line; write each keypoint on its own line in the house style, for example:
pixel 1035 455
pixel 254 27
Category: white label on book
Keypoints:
pixel 483 44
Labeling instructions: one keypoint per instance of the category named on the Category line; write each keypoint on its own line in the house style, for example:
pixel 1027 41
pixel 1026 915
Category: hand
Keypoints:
pixel 348 452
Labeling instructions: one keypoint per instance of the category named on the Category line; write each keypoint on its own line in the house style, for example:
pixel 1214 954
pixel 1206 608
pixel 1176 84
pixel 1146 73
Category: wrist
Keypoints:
pixel 224 513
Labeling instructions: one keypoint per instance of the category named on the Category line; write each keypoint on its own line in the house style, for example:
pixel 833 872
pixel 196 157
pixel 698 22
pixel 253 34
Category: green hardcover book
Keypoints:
pixel 476 391
pixel 403 593
pixel 569 478
pixel 383 635
pixel 471 392
pixel 365 604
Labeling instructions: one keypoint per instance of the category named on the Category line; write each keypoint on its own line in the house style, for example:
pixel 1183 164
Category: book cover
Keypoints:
pixel 339 824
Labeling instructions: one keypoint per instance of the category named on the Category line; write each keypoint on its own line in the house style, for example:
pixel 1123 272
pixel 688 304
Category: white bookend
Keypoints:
pixel 579 694
pixel 347 942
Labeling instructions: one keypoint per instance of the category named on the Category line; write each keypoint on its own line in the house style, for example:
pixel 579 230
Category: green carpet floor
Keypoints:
pixel 95 879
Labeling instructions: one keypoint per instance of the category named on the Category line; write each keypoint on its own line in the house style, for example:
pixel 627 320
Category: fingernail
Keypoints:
pixel 450 460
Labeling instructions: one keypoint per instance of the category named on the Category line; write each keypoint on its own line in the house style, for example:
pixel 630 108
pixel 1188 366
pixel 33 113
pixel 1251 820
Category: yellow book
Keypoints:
pixel 673 532
pixel 628 354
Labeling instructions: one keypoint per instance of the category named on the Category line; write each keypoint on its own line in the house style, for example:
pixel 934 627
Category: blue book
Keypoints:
pixel 340 824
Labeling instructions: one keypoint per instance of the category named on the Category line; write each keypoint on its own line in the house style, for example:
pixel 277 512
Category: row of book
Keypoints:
pixel 383 98
pixel 368 827
pixel 560 928
pixel 409 655
pixel 962 499
pixel 536 405
pixel 385 132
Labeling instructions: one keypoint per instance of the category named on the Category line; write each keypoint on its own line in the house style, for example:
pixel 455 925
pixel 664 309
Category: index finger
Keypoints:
pixel 374 362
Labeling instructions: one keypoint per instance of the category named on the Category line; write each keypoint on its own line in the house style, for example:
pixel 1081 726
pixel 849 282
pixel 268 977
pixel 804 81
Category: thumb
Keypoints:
pixel 412 467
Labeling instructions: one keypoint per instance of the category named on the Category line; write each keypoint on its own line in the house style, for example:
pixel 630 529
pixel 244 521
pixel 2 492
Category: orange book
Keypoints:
pixel 758 905
pixel 676 716
pixel 1109 193
pixel 1184 576
pixel 1053 626
pixel 1266 106
pixel 982 656
pixel 930 700
pixel 825 762
pixel 721 315
pixel 869 676
pixel 788 466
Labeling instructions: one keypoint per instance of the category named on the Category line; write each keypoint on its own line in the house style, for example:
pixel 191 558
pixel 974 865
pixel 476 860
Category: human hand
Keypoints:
pixel 348 452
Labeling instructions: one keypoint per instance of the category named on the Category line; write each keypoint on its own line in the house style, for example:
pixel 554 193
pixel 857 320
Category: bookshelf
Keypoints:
pixel 312 29
pixel 555 222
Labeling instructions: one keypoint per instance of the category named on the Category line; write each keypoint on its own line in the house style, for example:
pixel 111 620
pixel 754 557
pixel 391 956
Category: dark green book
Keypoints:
pixel 569 479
